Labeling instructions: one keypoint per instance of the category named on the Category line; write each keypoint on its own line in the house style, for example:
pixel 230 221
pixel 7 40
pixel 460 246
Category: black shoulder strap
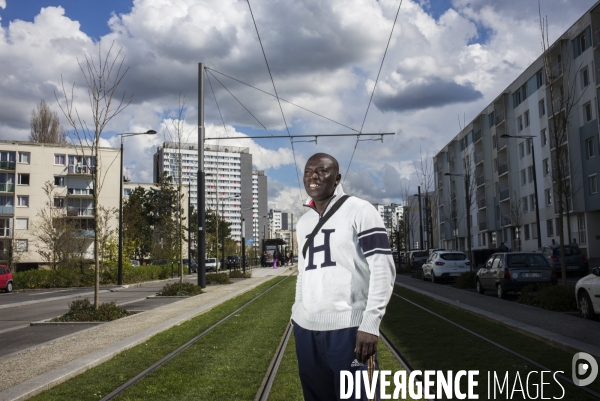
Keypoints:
pixel 322 221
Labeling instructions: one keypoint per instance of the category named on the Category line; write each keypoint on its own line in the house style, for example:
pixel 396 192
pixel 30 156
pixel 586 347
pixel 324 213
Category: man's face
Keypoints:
pixel 320 178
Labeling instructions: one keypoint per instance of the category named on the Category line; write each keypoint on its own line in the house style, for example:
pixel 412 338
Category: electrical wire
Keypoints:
pixel 282 99
pixel 278 101
pixel 373 92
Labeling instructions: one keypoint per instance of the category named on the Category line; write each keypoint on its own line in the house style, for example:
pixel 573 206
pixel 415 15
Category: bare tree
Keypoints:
pixel 45 126
pixel 175 133
pixel 516 214
pixel 106 231
pixel 103 75
pixel 561 92
pixel 426 175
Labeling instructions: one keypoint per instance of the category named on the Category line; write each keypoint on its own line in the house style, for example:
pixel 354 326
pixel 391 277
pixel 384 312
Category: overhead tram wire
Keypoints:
pixel 278 102
pixel 373 92
pixel 282 99
pixel 241 104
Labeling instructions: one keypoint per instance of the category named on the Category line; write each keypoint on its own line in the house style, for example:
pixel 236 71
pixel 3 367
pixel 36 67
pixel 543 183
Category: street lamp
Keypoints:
pixel 535 187
pixel 468 211
pixel 120 263
pixel 420 220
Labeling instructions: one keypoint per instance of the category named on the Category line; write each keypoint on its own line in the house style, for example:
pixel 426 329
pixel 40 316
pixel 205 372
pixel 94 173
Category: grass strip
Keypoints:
pixel 101 380
pixel 230 362
pixel 431 343
pixel 287 387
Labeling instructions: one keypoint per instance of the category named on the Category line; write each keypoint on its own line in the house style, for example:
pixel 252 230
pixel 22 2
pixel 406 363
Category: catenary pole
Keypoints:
pixel 201 194
pixel 420 220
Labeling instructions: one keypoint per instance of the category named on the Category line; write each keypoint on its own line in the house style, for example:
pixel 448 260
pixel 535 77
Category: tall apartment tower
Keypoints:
pixel 492 158
pixel 260 219
pixel 229 181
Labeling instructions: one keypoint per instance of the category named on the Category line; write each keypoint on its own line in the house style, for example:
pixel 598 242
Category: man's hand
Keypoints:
pixel 366 345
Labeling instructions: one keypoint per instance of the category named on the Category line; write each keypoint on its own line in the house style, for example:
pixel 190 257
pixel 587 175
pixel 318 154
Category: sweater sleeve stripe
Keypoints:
pixel 372 230
pixel 378 251
pixel 374 241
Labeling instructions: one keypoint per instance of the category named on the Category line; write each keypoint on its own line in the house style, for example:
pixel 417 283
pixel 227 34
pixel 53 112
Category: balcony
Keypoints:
pixel 481 203
pixel 7 209
pixel 450 158
pixel 480 180
pixel 80 191
pixel 482 225
pixel 7 165
pixel 500 118
pixel 556 71
pixel 505 220
pixel 80 170
pixel 7 187
pixel 4 232
pixel 502 169
pixel 73 211
pixel 479 157
pixel 453 215
pixel 502 142
pixel 504 195
pixel 440 184
pixel 452 195
pixel 477 136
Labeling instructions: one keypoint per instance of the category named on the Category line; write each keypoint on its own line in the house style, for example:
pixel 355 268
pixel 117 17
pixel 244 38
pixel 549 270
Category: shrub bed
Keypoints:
pixel 239 274
pixel 466 280
pixel 83 310
pixel 179 289
pixel 558 298
pixel 217 278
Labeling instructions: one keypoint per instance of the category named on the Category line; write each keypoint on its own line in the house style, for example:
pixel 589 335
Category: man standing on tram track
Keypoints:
pixel 345 280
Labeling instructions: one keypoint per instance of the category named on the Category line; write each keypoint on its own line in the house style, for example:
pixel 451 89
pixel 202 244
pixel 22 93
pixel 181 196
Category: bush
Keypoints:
pixel 558 298
pixel 53 278
pixel 217 278
pixel 83 311
pixel 179 289
pixel 239 274
pixel 466 280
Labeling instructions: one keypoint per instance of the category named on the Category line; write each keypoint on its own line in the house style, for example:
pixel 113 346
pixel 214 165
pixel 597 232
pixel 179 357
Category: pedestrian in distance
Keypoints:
pixel 345 280
pixel 553 244
pixel 574 244
pixel 503 247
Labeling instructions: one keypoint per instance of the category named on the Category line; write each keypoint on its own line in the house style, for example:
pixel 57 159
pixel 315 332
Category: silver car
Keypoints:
pixel 512 271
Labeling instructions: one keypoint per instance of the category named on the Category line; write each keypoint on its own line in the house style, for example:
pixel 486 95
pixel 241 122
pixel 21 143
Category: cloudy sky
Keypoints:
pixel 447 58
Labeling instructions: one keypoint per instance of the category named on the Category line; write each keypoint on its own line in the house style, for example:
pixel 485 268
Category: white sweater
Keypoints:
pixel 347 277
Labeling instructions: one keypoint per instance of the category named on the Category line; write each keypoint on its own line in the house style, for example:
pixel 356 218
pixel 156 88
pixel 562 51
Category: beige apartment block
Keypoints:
pixel 25 167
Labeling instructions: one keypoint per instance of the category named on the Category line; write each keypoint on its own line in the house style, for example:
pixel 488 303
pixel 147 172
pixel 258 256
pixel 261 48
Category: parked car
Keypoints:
pixel 134 263
pixel 575 261
pixel 436 249
pixel 6 278
pixel 416 259
pixel 233 262
pixel 193 267
pixel 159 262
pixel 587 293
pixel 445 265
pixel 511 271
pixel 210 264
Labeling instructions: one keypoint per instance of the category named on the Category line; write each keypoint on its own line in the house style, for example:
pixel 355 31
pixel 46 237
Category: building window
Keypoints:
pixel 548 197
pixel 544 137
pixel 585 78
pixel 494 143
pixel 59 202
pixel 60 160
pixel 59 181
pixel 491 119
pixel 526 118
pixel 545 167
pixel 520 123
pixel 23 200
pixel 24 157
pixel 589 146
pixel 583 45
pixel 530 174
pixel 524 203
pixel 549 228
pixel 522 150
pixel 528 144
pixel 23 179
pixel 587 112
pixel 21 223
pixel 21 245
pixel 539 79
pixel 526 227
pixel 593 183
pixel 523 177
pixel 542 108
pixel 532 202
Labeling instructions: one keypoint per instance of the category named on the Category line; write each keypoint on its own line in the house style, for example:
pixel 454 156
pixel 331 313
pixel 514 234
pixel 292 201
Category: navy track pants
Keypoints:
pixel 321 357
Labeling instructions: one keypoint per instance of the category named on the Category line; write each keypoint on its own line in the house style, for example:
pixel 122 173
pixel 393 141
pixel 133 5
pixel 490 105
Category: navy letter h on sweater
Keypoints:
pixel 321 248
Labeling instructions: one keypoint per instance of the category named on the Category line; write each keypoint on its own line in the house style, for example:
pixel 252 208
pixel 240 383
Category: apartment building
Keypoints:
pixel 486 177
pixel 260 219
pixel 24 169
pixel 230 181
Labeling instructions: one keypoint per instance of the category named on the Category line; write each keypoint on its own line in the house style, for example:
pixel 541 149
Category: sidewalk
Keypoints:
pixel 558 329
pixel 35 369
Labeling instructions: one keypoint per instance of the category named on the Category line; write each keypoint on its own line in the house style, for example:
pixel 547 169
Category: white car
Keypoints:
pixel 211 264
pixel 445 265
pixel 587 293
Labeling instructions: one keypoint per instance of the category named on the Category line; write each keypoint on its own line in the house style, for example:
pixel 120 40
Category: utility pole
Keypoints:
pixel 201 183
pixel 243 246
pixel 292 235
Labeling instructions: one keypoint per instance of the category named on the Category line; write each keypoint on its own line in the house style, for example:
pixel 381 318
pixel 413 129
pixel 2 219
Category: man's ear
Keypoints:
pixel 337 179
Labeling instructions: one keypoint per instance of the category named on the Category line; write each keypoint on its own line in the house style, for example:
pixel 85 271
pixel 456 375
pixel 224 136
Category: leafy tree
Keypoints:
pixel 45 126
pixel 137 231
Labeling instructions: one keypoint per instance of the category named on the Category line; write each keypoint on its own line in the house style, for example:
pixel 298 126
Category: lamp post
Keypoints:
pixel 535 187
pixel 468 212
pixel 420 220
pixel 120 262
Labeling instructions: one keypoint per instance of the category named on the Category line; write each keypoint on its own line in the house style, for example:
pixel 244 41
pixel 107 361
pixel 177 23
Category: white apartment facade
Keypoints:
pixel 501 171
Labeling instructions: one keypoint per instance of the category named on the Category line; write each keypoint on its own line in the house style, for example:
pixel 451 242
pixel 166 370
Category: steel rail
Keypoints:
pixel 265 388
pixel 174 353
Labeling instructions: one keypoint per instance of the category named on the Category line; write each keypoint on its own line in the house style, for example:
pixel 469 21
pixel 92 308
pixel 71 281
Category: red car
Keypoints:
pixel 6 279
